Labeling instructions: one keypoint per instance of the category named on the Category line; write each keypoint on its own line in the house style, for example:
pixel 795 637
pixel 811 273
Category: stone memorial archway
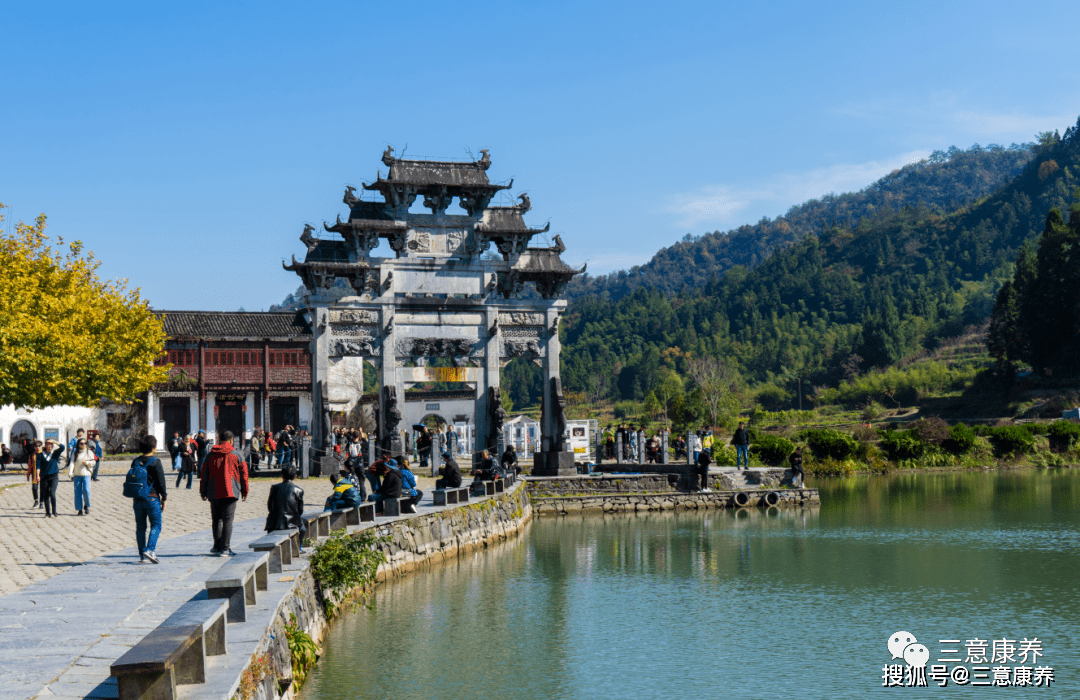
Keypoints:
pixel 439 311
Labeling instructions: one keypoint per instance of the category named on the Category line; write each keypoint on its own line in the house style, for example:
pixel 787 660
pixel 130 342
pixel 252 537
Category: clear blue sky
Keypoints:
pixel 187 143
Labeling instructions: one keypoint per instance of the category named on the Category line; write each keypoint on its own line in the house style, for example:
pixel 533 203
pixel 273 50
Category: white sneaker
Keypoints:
pixel 151 556
pixel 706 490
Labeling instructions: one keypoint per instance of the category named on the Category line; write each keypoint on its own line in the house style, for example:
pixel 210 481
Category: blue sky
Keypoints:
pixel 187 144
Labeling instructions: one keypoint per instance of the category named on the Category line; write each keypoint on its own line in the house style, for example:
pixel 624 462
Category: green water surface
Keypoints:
pixel 748 604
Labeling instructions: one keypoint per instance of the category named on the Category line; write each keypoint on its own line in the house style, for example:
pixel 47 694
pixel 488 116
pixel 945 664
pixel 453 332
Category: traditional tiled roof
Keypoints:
pixel 235 324
pixel 539 260
pixel 433 172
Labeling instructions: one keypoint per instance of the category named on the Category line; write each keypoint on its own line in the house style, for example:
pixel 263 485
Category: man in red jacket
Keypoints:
pixel 224 480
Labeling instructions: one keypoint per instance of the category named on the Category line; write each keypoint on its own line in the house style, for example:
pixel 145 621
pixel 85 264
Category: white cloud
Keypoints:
pixel 725 206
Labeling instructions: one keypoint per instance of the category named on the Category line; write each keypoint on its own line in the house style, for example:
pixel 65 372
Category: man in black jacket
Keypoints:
pixel 390 488
pixel 741 441
pixel 450 473
pixel 286 504
pixel 510 461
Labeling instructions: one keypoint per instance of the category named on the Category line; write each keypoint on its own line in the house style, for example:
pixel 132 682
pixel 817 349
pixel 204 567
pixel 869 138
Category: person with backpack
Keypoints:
pixel 223 482
pixel 145 486
pixel 80 469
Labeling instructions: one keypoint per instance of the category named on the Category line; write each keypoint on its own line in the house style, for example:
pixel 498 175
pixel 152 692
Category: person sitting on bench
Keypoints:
pixel 450 473
pixel 344 496
pixel 509 461
pixel 286 505
pixel 408 486
pixel 390 487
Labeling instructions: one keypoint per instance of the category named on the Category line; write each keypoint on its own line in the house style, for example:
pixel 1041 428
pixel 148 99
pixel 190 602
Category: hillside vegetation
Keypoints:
pixel 851 300
pixel 942 183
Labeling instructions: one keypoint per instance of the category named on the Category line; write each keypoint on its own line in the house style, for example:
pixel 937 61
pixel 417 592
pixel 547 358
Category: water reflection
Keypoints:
pixel 751 603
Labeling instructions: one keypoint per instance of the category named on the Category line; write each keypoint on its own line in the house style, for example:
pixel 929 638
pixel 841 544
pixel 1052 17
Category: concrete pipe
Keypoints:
pixel 770 499
pixel 740 499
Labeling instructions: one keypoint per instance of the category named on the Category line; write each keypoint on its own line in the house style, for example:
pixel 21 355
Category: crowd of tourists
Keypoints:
pixel 45 461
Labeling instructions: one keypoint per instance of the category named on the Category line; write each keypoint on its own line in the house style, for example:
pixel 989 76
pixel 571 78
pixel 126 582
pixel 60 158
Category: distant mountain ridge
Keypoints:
pixel 943 182
pixel 894 282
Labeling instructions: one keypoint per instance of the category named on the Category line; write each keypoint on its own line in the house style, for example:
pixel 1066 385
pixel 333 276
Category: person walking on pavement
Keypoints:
pixel 741 441
pixel 148 508
pixel 186 453
pixel 48 464
pixel 81 469
pixel 95 444
pixel 33 448
pixel 174 449
pixel 223 481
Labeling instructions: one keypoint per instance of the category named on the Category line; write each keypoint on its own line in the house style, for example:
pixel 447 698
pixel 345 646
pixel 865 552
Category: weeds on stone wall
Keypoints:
pixel 346 562
pixel 304 651
pixel 258 670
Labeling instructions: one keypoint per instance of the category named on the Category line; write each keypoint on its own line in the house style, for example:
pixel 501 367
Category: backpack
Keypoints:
pixel 137 484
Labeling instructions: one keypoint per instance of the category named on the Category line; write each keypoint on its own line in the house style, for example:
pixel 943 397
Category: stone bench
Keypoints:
pixel 393 507
pixel 294 538
pixel 317 524
pixel 493 487
pixel 443 497
pixel 279 549
pixel 236 582
pixel 159 662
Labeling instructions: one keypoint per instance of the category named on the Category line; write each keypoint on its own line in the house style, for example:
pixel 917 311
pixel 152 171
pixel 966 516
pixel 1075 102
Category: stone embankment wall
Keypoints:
pixel 446 534
pixel 640 502
pixel 655 483
pixel 412 541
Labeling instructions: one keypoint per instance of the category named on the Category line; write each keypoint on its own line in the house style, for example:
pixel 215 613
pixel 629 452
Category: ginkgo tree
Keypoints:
pixel 66 336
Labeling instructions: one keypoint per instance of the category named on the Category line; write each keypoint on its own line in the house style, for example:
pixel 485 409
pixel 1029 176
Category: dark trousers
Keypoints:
pixel 703 473
pixel 180 477
pixel 48 492
pixel 442 484
pixel 36 499
pixel 222 511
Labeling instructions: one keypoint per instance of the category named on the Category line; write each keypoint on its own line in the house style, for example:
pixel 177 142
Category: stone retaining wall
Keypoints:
pixel 562 505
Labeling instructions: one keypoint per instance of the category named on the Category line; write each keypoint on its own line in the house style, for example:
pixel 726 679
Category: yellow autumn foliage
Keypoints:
pixel 67 337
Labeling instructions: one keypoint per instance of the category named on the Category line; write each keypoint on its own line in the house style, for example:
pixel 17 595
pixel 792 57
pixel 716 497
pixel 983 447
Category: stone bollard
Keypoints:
pixel 641 447
pixel 618 448
pixel 664 456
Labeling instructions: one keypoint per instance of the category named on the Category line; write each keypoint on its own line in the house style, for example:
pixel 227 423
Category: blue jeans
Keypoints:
pixel 97 464
pixel 742 455
pixel 82 492
pixel 180 477
pixel 147 508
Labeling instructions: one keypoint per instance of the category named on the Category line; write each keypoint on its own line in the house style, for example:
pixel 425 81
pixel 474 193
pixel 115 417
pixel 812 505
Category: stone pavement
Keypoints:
pixel 59 636
pixel 34 548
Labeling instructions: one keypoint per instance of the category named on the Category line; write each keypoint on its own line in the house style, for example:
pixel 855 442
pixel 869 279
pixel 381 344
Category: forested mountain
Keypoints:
pixel 944 182
pixel 880 287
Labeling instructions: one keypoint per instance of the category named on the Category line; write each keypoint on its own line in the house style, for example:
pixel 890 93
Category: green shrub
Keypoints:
pixel 902 444
pixel 1011 440
pixel 771 449
pixel 1065 433
pixel 961 439
pixel 1036 428
pixel 345 562
pixel 627 409
pixel 828 443
pixel 304 651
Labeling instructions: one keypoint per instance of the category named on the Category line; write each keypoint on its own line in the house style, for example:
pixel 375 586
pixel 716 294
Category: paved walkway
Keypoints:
pixel 34 548
pixel 60 633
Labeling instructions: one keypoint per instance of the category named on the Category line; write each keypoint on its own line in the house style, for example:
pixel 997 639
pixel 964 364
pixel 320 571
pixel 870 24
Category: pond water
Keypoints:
pixel 749 604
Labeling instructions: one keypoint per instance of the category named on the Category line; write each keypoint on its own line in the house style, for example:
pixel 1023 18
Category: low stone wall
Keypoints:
pixel 611 503
pixel 606 483
pixel 545 486
pixel 446 534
